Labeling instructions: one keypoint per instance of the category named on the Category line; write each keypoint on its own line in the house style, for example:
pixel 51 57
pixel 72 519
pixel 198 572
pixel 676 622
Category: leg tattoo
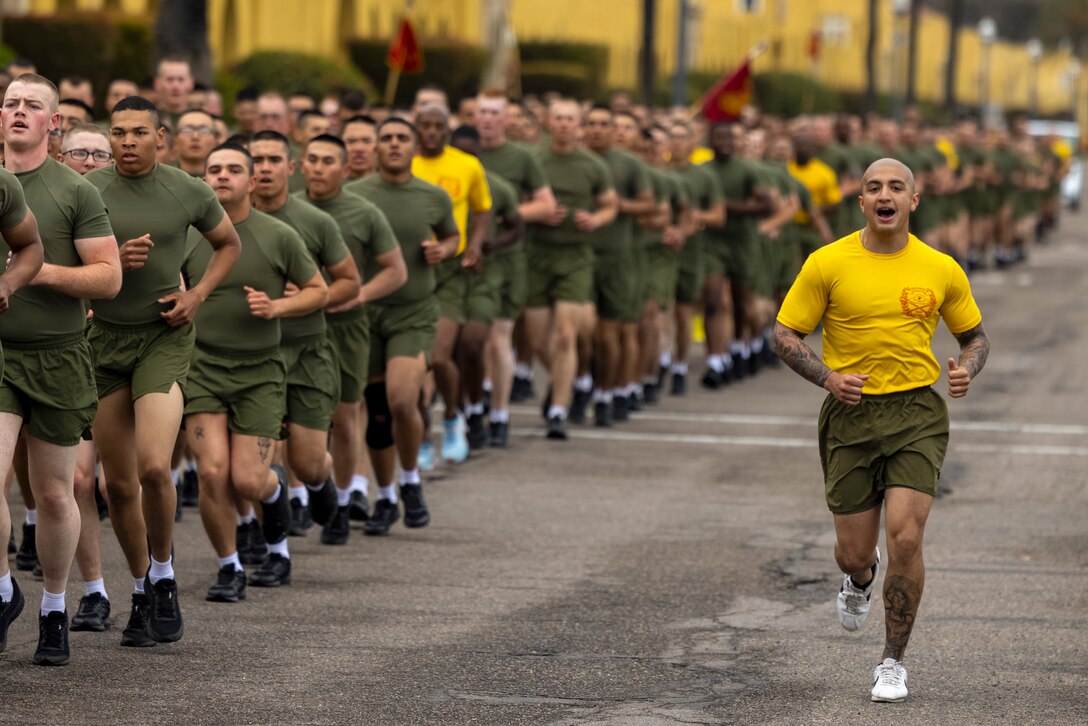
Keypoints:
pixel 901 598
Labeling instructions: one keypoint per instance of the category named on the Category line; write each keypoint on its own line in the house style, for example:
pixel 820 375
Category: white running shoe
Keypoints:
pixel 853 602
pixel 889 682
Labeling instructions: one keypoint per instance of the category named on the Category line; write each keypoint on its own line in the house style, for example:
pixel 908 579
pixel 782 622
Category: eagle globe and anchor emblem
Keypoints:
pixel 918 302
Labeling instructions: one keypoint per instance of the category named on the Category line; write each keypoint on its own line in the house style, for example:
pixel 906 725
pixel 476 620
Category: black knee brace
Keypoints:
pixel 379 419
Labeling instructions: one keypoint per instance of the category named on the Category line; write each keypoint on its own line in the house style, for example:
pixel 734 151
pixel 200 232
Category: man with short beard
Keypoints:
pixel 196 137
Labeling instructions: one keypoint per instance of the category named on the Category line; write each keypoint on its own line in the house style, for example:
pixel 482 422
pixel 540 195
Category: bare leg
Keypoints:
pixel 158 419
pixel 344 443
pixel 89 550
pixel 500 353
pixel 906 511
pixel 52 469
pixel 114 432
pixel 210 441
pixel 403 383
pixel 9 432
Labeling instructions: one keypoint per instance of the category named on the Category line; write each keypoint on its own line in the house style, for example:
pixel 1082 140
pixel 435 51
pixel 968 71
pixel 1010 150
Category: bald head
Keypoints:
pixel 885 167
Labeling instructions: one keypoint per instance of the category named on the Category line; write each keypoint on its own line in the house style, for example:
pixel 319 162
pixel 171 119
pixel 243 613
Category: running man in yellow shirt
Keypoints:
pixel 883 431
pixel 820 180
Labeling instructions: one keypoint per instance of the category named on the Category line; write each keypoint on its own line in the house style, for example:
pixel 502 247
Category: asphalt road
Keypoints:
pixel 676 569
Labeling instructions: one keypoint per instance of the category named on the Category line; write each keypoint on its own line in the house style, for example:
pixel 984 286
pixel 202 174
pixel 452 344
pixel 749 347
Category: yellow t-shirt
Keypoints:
pixel 462 176
pixel 879 312
pixel 700 155
pixel 822 183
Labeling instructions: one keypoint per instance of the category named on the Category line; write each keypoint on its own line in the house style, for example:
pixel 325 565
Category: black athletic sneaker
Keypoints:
pixel 521 390
pixel 649 394
pixel 164 623
pixel 100 503
pixel 579 402
pixel 739 369
pixel 277 515
pixel 499 434
pixel 662 376
pixel 712 380
pixel 12 547
pixel 243 542
pixel 634 403
pixel 301 520
pixel 679 384
pixel 190 489
pixel 619 408
pixel 52 639
pixel 9 611
pixel 477 432
pixel 358 507
pixel 27 556
pixel 323 503
pixel 38 571
pixel 337 531
pixel 275 571
pixel 415 509
pixel 135 633
pixel 230 585
pixel 557 428
pixel 93 613
pixel 602 414
pixel 486 401
pixel 177 505
pixel 546 404
pixel 385 515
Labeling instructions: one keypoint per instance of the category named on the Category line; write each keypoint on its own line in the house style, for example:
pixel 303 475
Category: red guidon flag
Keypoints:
pixel 405 54
pixel 728 97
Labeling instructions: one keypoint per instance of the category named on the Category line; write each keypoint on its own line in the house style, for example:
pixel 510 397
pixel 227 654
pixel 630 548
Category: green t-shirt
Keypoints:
pixel 739 180
pixel 630 177
pixel 705 191
pixel 67 208
pixel 517 164
pixel 163 203
pixel 326 247
pixel 365 232
pixel 664 191
pixel 417 211
pixel 504 202
pixel 577 179
pixel 273 254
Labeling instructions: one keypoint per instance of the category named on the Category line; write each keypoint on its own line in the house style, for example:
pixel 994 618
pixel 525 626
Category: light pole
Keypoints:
pixel 899 40
pixel 1035 53
pixel 987 35
pixel 680 78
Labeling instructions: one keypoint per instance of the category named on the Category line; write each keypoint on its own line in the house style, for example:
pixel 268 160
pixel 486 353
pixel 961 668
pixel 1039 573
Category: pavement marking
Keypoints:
pixel 740 419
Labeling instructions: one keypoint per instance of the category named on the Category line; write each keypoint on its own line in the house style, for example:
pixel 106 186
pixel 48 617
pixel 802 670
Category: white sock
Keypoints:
pixel 231 559
pixel 633 389
pixel 649 380
pixel 560 411
pixel 475 409
pixel 279 548
pixel 584 383
pixel 757 345
pixel 410 476
pixel 31 517
pixel 619 393
pixel 521 370
pixel 302 494
pixel 177 476
pixel 389 494
pixel 600 396
pixel 499 415
pixel 343 496
pixel 274 498
pixel 138 585
pixel 52 602
pixel 7 590
pixel 160 571
pixel 745 351
pixel 735 347
pixel 359 483
pixel 714 363
pixel 665 360
pixel 486 385
pixel 727 362
pixel 247 517
pixel 99 586
pixel 190 464
pixel 680 368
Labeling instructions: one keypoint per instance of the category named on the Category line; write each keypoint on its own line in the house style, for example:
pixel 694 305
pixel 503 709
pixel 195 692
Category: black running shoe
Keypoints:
pixel 415 509
pixel 499 434
pixel 301 521
pixel 135 633
pixel 27 556
pixel 649 394
pixel 243 542
pixel 662 375
pixel 557 428
pixel 100 503
pixel 9 611
pixel 38 572
pixel 486 401
pixel 712 380
pixel 93 614
pixel 277 515
pixel 546 404
pixel 358 507
pixel 190 489
pixel 619 408
pixel 385 515
pixel 323 503
pixel 679 384
pixel 477 432
pixel 164 623
pixel 634 403
pixel 739 369
pixel 12 547
pixel 753 363
pixel 579 402
pixel 52 639
pixel 230 585
pixel 602 414
pixel 521 390
pixel 275 571
pixel 337 531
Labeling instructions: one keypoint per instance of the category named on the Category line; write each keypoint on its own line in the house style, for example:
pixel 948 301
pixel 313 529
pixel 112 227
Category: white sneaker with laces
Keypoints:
pixel 889 682
pixel 852 603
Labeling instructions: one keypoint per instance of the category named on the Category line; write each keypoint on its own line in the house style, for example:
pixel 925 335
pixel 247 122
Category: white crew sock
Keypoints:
pixel 99 586
pixel 343 496
pixel 7 590
pixel 560 411
pixel 680 368
pixel 31 517
pixel 52 602
pixel 745 351
pixel 714 363
pixel 499 415
pixel 486 385
pixel 410 476
pixel 521 370
pixel 177 476
pixel 160 571
pixel 231 559
pixel 359 483
pixel 274 498
pixel 757 345
pixel 665 360
pixel 584 383
pixel 633 389
pixel 389 494
pixel 618 393
pixel 599 396
pixel 138 585
pixel 279 548
pixel 735 347
pixel 302 494
pixel 475 409
pixel 190 464
pixel 248 517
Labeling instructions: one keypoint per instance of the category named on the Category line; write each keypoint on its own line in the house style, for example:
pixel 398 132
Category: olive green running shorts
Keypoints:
pixel 450 285
pixel 513 285
pixel 146 358
pixel 313 382
pixel 251 389
pixel 613 284
pixel 401 331
pixel 745 260
pixel 894 440
pixel 483 299
pixel 349 336
pixel 640 257
pixel 691 273
pixel 559 273
pixel 787 259
pixel 662 269
pixel 52 387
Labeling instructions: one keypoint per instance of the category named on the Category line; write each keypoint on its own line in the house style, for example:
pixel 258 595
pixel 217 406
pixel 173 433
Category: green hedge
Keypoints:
pixel 7 55
pixel 99 46
pixel 452 65
pixel 575 69
pixel 288 72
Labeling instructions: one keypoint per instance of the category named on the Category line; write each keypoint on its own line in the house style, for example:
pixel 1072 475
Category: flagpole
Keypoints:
pixel 391 82
pixel 756 51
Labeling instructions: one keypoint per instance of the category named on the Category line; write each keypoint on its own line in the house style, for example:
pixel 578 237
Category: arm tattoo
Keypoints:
pixel 200 432
pixel 790 347
pixel 974 349
pixel 264 446
pixel 901 598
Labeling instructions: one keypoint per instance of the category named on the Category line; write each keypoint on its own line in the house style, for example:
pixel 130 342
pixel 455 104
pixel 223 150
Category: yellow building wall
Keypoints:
pixel 722 33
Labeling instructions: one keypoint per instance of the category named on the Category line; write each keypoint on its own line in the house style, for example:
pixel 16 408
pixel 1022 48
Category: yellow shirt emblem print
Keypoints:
pixel 918 302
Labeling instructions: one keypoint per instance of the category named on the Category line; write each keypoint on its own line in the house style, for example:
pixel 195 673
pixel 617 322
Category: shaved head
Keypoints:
pixel 897 167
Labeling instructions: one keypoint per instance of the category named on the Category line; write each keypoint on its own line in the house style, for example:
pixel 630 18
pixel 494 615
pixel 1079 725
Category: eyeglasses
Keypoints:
pixel 199 130
pixel 81 155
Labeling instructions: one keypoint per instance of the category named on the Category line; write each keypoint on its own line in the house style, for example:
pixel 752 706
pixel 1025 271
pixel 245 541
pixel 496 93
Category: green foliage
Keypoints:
pixel 7 55
pixel 574 69
pixel 789 94
pixel 453 65
pixel 288 72
pixel 99 46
